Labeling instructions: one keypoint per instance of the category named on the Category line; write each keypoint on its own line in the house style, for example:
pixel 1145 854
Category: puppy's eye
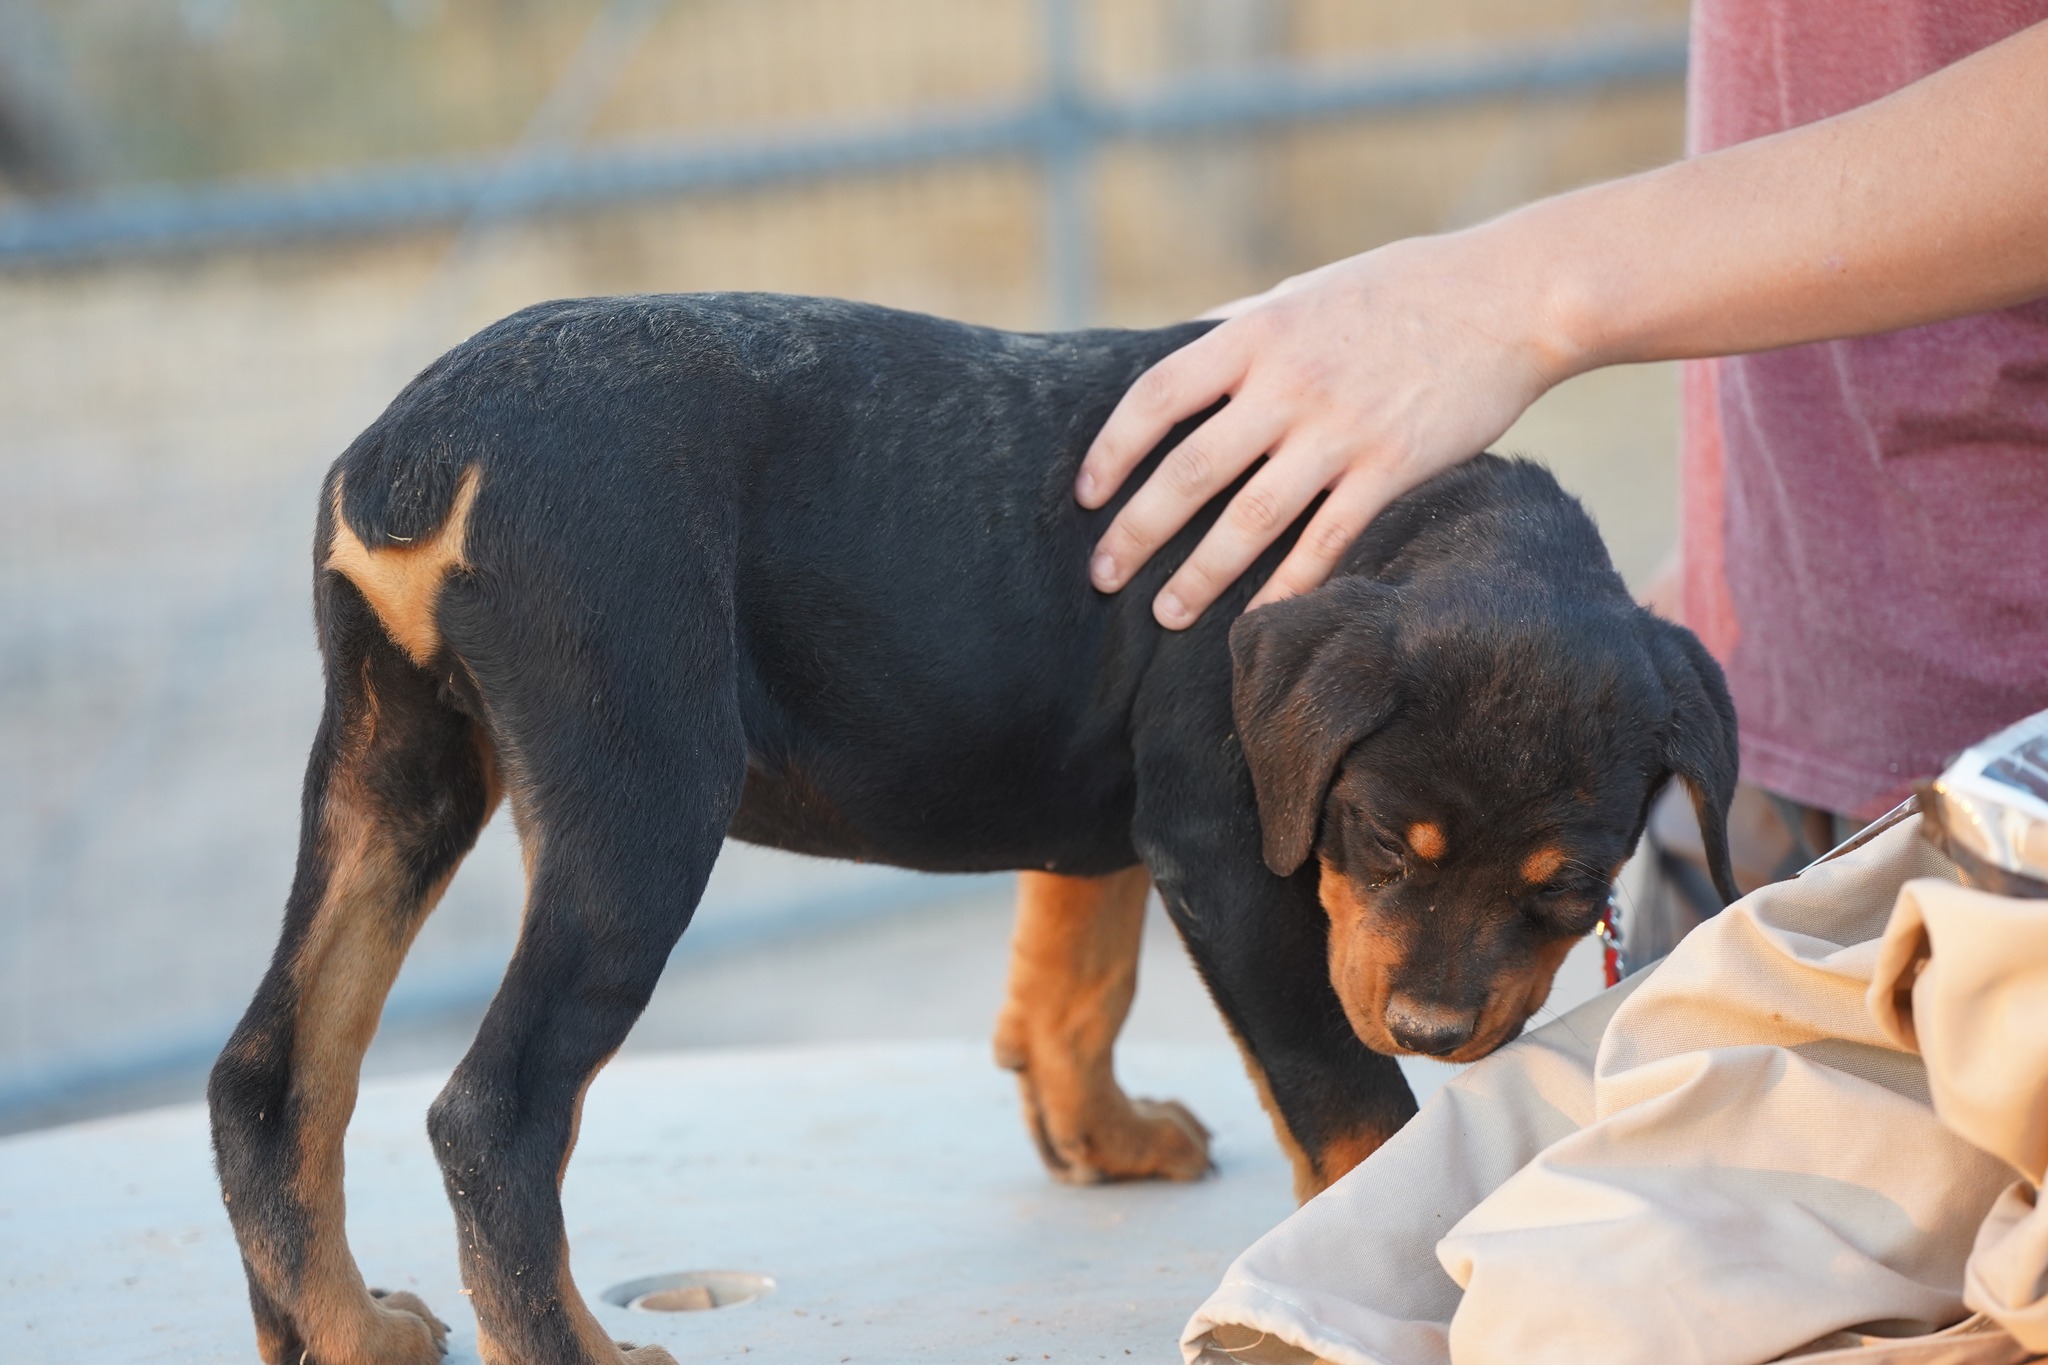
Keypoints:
pixel 1390 861
pixel 1556 893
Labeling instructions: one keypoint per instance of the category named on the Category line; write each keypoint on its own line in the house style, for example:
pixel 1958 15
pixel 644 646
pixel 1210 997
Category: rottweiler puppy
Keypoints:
pixel 808 573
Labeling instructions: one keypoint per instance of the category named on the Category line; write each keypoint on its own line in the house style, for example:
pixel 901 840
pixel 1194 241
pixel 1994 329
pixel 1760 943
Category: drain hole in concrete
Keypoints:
pixel 687 1291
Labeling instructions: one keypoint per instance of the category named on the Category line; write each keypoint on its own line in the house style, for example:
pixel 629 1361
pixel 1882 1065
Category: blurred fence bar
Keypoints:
pixel 1060 127
pixel 153 659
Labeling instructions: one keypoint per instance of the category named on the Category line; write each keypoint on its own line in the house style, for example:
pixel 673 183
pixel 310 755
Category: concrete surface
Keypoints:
pixel 888 1189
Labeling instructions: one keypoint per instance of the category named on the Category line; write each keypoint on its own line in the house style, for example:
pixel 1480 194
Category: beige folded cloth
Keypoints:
pixel 1736 1156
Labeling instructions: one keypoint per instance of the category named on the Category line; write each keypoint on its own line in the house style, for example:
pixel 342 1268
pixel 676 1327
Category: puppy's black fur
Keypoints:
pixel 810 573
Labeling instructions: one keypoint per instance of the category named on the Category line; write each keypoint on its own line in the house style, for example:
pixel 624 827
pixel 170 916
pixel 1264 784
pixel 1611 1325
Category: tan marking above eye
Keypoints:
pixel 1427 839
pixel 402 583
pixel 1543 864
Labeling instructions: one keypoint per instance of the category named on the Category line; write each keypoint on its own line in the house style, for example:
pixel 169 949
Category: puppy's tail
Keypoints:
pixel 399 477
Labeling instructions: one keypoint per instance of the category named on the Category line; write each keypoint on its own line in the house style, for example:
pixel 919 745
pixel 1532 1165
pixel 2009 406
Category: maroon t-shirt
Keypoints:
pixel 1866 522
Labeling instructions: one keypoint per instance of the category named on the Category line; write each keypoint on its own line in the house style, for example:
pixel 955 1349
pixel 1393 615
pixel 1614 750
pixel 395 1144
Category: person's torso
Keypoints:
pixel 1867 520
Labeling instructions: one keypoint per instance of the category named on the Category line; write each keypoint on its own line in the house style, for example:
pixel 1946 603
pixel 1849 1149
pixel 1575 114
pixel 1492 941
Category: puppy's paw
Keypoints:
pixel 1176 1144
pixel 644 1355
pixel 1099 1135
pixel 409 1333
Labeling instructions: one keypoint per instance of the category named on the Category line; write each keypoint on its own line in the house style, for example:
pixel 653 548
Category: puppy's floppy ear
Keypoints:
pixel 1312 676
pixel 1699 738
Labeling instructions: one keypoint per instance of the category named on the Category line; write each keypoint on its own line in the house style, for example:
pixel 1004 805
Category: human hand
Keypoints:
pixel 1361 379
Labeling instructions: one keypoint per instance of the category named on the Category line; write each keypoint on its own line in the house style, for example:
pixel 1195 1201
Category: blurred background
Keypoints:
pixel 230 229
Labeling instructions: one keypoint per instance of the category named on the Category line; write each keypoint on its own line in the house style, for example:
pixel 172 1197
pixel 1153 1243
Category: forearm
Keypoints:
pixel 1929 204
pixel 1355 382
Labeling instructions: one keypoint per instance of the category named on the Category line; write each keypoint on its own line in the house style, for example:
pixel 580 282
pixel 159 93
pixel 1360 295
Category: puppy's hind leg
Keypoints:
pixel 624 765
pixel 398 786
pixel 1073 972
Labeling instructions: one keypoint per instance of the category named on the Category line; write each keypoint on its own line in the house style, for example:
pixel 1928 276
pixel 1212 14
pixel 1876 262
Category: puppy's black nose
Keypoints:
pixel 1433 1030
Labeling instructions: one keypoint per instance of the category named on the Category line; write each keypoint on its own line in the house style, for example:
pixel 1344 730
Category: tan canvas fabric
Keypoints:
pixel 1962 977
pixel 1736 1156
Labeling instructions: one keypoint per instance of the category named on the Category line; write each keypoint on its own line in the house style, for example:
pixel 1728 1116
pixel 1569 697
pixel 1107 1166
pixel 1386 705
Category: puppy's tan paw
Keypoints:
pixel 644 1355
pixel 1104 1136
pixel 409 1332
pixel 1175 1142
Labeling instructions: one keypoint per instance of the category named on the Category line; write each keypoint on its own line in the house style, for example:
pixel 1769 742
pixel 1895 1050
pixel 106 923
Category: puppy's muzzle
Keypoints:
pixel 1432 1030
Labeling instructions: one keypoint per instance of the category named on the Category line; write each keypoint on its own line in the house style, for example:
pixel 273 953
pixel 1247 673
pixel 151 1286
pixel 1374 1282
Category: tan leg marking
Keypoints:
pixel 1073 971
pixel 597 1343
pixel 402 583
pixel 343 972
pixel 594 1341
pixel 1306 1184
pixel 271 1347
pixel 1345 1151
pixel 1312 1174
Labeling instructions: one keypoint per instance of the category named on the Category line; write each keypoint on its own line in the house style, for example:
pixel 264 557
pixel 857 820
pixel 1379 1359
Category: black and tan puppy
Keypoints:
pixel 662 570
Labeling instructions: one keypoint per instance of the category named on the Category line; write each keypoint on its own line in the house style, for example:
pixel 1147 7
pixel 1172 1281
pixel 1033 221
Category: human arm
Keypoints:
pixel 1367 376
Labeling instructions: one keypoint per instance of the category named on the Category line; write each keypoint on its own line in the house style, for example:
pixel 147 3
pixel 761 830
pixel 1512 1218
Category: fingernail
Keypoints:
pixel 1084 487
pixel 1103 570
pixel 1170 609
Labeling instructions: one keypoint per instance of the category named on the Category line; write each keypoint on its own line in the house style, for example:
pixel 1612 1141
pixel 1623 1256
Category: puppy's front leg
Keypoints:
pixel 1259 943
pixel 1073 971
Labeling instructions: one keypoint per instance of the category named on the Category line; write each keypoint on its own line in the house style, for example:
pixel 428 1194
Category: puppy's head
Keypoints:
pixel 1470 779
